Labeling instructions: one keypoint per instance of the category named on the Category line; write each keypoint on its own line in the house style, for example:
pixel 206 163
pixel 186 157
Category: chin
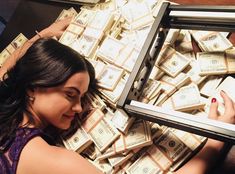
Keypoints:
pixel 64 126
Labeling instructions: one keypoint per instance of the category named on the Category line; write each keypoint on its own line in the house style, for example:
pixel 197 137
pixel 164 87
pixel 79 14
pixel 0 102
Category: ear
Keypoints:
pixel 31 92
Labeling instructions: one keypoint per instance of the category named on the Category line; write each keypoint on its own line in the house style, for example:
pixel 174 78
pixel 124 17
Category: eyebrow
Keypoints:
pixel 73 88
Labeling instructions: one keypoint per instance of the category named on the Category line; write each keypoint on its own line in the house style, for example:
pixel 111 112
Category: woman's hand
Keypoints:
pixel 229 113
pixel 56 29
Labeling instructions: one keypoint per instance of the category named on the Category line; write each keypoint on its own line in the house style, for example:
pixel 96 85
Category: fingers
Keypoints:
pixel 213 114
pixel 63 23
pixel 228 103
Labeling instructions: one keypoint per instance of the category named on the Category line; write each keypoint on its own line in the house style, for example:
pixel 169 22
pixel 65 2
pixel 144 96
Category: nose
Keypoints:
pixel 77 107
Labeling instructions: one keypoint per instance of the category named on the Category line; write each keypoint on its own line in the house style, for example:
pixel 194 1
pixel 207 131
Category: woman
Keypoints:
pixel 43 90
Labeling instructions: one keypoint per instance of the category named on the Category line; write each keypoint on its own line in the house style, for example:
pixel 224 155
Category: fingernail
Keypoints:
pixel 213 100
pixel 223 91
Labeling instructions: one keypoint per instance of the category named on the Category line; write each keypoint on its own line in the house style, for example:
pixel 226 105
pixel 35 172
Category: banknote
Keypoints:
pixel 187 98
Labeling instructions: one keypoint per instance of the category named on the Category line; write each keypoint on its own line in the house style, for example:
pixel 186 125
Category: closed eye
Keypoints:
pixel 71 95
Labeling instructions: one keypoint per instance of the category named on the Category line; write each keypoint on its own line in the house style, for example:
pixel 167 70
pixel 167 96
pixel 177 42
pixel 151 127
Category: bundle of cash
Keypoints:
pixel 138 135
pixel 17 43
pixel 211 41
pixel 213 63
pixel 79 141
pixel 102 132
pixel 171 61
pixel 187 98
pixel 71 12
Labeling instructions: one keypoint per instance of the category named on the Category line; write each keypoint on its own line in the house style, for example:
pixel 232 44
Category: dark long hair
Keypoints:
pixel 47 63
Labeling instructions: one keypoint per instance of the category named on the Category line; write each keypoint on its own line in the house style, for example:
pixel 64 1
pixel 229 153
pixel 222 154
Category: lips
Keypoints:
pixel 69 116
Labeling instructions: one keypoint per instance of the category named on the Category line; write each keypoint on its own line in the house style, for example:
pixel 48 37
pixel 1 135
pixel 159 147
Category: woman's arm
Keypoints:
pixel 210 153
pixel 55 29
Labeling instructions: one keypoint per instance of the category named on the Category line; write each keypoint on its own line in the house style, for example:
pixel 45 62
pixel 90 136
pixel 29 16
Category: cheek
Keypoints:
pixel 50 107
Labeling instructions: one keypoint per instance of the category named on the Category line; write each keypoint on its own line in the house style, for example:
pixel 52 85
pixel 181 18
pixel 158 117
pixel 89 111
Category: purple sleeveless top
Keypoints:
pixel 9 160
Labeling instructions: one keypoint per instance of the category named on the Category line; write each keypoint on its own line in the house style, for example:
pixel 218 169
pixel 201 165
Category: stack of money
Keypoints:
pixel 110 35
pixel 17 43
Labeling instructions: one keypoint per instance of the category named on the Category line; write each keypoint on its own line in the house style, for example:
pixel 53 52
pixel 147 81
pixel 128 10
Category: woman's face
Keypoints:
pixel 57 105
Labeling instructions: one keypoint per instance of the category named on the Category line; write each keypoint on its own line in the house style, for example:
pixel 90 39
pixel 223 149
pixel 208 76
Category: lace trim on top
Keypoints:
pixel 9 160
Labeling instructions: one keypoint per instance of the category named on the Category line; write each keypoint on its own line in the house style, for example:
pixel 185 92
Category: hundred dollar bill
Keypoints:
pixel 166 91
pixel 211 41
pixel 122 169
pixel 116 28
pixel 184 45
pixel 172 35
pixel 74 28
pixel 212 63
pixel 123 55
pixel 93 32
pixel 110 77
pixel 139 135
pixel 187 98
pixel 79 141
pixel 174 64
pixel 193 71
pixel 188 138
pixel 208 87
pixel 91 152
pixel 96 101
pixel 105 5
pixel 180 80
pixel 102 132
pixel 122 121
pixel 190 55
pixel 71 12
pixel 102 21
pixel 84 17
pixel 159 157
pixel 142 22
pixel 156 73
pixel 114 95
pixel 151 90
pixel 17 43
pixel 230 59
pixel 165 52
pixel 167 104
pixel 86 45
pixel 99 68
pixel 68 38
pixel 134 10
pixel 141 36
pixel 10 48
pixel 129 63
pixel 3 56
pixel 144 165
pixel 119 159
pixel 173 148
pixel 103 166
pixel 110 49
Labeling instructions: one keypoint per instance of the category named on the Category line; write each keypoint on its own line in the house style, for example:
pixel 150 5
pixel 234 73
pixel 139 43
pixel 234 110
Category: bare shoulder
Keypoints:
pixel 38 157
